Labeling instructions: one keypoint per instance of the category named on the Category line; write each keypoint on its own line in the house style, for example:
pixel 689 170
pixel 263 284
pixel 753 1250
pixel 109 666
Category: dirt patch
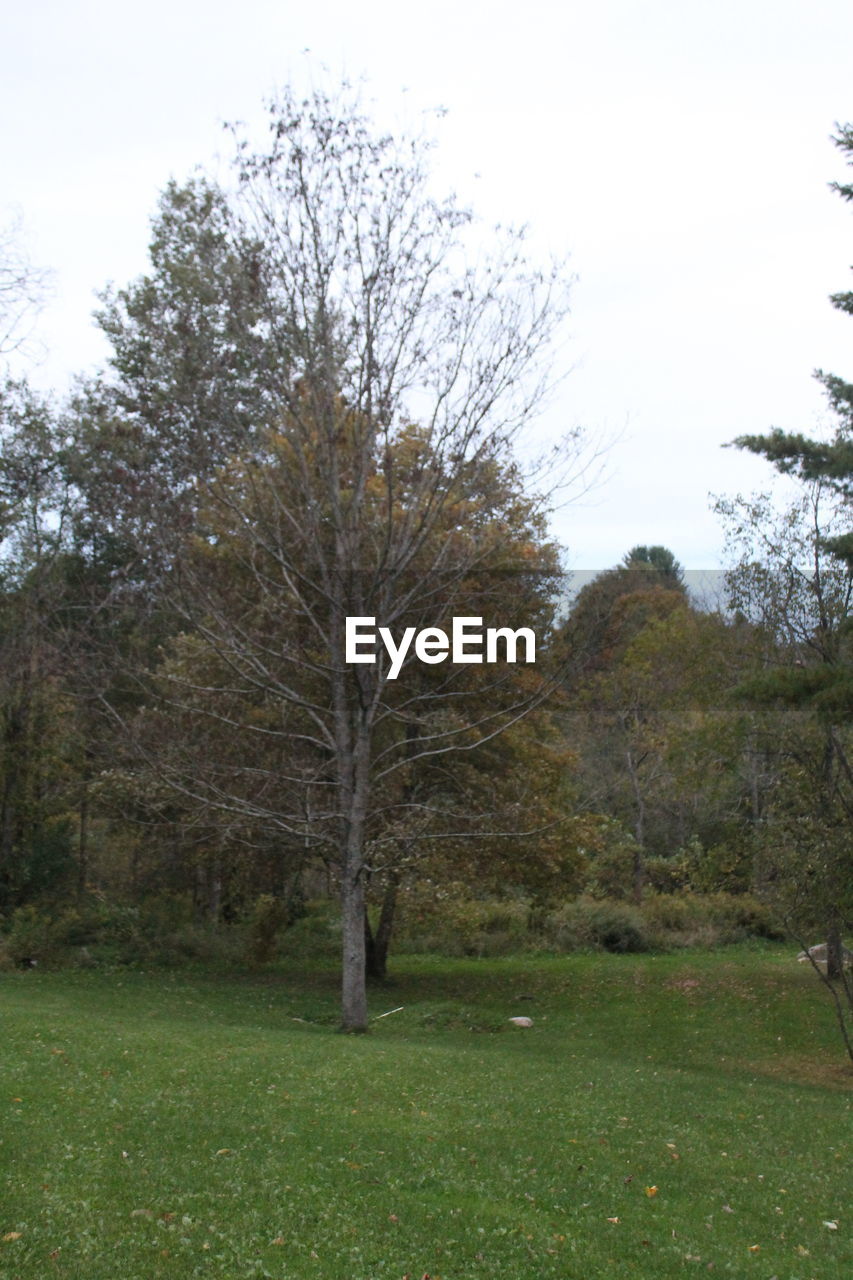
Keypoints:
pixel 687 986
pixel 799 1068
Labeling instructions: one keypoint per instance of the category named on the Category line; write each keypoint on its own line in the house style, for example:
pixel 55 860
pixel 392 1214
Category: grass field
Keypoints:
pixel 665 1116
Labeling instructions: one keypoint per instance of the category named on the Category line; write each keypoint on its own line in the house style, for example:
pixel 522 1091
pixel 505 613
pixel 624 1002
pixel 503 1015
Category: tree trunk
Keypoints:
pixel 378 943
pixel 353 990
pixel 639 875
pixel 199 893
pixel 834 953
pixel 639 869
pixel 83 849
pixel 214 891
pixel 354 973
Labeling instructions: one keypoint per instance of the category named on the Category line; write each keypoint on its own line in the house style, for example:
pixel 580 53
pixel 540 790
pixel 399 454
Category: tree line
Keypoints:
pixel 310 413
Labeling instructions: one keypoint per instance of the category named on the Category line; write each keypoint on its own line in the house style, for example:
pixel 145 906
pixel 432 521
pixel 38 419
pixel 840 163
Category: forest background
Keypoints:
pixel 313 410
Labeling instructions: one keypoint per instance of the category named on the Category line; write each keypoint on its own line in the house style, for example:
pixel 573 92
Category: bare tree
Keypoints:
pixel 405 351
pixel 22 288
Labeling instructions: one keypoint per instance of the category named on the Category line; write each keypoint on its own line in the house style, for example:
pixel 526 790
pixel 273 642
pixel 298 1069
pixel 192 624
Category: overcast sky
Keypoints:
pixel 677 150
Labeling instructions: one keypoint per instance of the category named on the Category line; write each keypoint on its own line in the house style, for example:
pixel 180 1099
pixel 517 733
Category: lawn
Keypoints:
pixel 664 1116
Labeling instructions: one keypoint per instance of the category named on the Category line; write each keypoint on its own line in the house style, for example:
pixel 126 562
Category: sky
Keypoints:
pixel 678 155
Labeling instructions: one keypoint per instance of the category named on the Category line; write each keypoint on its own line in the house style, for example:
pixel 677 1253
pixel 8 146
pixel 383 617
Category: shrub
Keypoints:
pixel 740 915
pixel 589 923
pixel 268 918
pixel 668 875
pixel 725 867
pixel 697 920
pixel 446 920
pixel 611 872
pixel 32 937
pixel 315 934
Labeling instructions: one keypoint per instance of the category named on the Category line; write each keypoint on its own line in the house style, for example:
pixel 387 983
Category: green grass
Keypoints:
pixel 177 1125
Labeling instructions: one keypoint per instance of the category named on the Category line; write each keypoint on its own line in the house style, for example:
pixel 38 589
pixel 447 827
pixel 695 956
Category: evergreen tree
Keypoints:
pixel 820 679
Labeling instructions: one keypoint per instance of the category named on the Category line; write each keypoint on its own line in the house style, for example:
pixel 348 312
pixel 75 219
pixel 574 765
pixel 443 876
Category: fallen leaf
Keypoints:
pixel 755 1248
pixel 278 1240
pixel 223 1151
pixel 651 1191
pixel 612 1219
pixel 833 1226
pixel 12 1235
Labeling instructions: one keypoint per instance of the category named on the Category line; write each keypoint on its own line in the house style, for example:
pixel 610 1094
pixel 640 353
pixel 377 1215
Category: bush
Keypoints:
pixel 445 920
pixel 32 937
pixel 725 867
pixel 268 918
pixel 159 931
pixel 706 920
pixel 611 871
pixel 740 915
pixel 593 924
pixel 315 935
pixel 668 875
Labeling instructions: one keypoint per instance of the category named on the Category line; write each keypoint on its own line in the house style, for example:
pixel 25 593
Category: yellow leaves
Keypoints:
pixel 613 1220
pixel 755 1248
pixel 651 1191
pixel 224 1151
pixel 12 1235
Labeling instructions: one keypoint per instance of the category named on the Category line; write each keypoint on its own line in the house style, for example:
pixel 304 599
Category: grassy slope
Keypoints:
pixel 174 1125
